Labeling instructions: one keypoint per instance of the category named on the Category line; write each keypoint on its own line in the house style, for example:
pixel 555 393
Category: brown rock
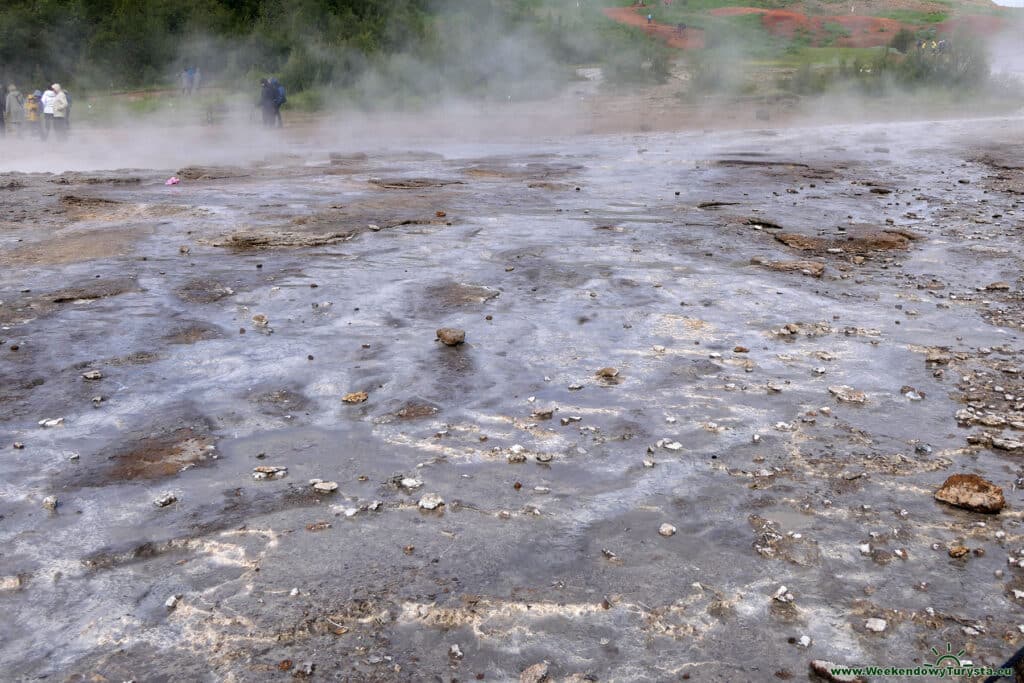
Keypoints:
pixel 811 268
pixel 451 336
pixel 355 397
pixel 997 286
pixel 958 551
pixel 823 670
pixel 971 492
pixel 538 673
pixel 608 373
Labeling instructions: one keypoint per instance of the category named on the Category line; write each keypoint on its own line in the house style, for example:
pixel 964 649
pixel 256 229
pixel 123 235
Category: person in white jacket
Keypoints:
pixel 60 112
pixel 46 101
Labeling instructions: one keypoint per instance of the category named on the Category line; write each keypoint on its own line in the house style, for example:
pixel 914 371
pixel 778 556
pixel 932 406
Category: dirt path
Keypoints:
pixel 691 38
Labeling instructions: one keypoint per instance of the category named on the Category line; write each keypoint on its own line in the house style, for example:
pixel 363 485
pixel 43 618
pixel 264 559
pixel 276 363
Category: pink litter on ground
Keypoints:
pixel 173 180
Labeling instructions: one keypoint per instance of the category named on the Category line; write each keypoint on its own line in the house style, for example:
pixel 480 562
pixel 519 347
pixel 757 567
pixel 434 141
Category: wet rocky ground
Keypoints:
pixel 709 385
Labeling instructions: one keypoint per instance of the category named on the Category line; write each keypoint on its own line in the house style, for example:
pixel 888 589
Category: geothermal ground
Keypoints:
pixel 778 343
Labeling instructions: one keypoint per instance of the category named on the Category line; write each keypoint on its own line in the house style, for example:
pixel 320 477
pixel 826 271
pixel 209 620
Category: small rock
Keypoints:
pixel 410 483
pixel 172 601
pixel 971 492
pixel 451 336
pixel 876 625
pixel 516 457
pixel 544 413
pixel 269 472
pixel 165 500
pixel 10 583
pixel 997 286
pixel 804 642
pixel 325 486
pixel 648 463
pixel 667 530
pixel 50 503
pixel 260 320
pixel 51 422
pixel 957 551
pixel 18 445
pixel 544 457
pixel 608 373
pixel 92 375
pixel 848 394
pixel 455 652
pixel 431 501
pixel 783 595
pixel 355 397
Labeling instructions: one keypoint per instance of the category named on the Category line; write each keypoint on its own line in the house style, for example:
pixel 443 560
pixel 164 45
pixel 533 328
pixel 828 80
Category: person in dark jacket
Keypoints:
pixel 279 99
pixel 266 102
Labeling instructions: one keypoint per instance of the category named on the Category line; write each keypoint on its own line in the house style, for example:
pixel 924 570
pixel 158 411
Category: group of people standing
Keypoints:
pixel 37 115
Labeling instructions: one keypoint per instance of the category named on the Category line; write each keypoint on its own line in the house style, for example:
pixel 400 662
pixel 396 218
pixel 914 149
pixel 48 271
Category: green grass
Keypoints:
pixel 906 16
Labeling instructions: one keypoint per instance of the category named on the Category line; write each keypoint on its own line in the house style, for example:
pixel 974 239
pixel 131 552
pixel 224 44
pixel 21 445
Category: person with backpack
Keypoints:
pixel 14 110
pixel 279 99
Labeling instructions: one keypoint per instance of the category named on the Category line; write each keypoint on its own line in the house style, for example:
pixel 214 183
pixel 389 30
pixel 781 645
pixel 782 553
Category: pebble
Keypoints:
pixel 876 625
pixel 431 501
pixel 260 320
pixel 325 486
pixel 804 642
pixel 51 422
pixel 92 375
pixel 165 500
pixel 18 445
pixel 648 463
pixel 172 601
pixel 783 595
pixel 544 457
pixel 455 652
pixel 608 373
pixel 50 503
pixel 666 530
pixel 355 397
pixel 451 336
pixel 410 483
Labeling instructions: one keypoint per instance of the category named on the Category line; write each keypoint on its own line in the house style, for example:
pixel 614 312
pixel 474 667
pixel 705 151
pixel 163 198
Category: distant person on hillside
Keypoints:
pixel 47 103
pixel 190 79
pixel 34 114
pixel 650 19
pixel 279 99
pixel 197 79
pixel 14 110
pixel 60 112
pixel 183 81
